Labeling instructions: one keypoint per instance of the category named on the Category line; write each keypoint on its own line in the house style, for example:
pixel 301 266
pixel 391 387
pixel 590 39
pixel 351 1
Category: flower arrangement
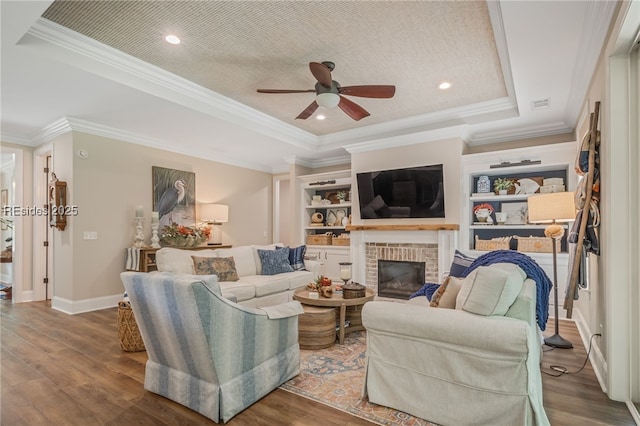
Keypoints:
pixel 184 236
pixel 321 281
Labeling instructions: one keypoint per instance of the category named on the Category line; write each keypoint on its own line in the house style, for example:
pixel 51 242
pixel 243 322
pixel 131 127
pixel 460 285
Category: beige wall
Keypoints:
pixel 114 179
pixel 447 152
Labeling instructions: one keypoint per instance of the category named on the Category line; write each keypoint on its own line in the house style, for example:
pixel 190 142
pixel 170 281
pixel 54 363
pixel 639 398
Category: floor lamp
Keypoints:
pixel 553 208
pixel 214 215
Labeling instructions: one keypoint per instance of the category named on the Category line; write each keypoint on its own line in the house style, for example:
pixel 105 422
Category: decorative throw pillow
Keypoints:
pixel 275 261
pixel 489 291
pixel 435 299
pixel 446 295
pixel 223 267
pixel 296 257
pixel 460 263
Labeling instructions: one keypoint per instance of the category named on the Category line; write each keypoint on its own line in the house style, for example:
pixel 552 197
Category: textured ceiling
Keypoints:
pixel 235 47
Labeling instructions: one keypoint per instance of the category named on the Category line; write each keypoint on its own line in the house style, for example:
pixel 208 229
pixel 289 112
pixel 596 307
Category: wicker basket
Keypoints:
pixel 128 332
pixel 495 244
pixel 337 241
pixel 319 240
pixel 537 244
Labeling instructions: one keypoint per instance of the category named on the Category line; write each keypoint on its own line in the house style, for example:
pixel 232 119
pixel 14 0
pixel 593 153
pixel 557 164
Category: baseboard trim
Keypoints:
pixel 24 296
pixel 634 412
pixel 73 307
pixel 598 362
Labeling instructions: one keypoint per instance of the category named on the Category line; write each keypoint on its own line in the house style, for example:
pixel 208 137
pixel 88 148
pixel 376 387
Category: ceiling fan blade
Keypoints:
pixel 321 73
pixel 308 111
pixel 373 91
pixel 284 91
pixel 352 109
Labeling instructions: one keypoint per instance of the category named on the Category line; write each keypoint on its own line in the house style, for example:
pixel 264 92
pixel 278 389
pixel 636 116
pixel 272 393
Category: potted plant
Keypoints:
pixel 342 196
pixel 502 185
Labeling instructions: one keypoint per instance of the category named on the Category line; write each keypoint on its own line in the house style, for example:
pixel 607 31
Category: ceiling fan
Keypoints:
pixel 329 93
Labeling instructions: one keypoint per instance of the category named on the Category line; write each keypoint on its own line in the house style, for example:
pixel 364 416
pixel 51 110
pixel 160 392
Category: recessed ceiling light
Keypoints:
pixel 320 117
pixel 444 85
pixel 172 39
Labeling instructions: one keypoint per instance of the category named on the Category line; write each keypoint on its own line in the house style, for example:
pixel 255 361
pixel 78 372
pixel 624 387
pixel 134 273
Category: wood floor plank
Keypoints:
pixel 60 369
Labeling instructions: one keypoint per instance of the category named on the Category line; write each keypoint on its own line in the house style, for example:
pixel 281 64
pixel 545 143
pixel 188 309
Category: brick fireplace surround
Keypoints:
pixel 432 244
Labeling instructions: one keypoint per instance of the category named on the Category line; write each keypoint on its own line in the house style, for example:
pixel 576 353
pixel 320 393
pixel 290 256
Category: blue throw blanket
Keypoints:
pixel 528 265
pixel 533 271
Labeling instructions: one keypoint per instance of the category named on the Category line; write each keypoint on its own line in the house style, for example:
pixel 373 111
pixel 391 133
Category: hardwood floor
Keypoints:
pixel 59 369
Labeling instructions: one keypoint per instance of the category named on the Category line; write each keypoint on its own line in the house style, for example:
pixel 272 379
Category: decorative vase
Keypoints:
pixel 484 185
pixel 331 218
pixel 502 192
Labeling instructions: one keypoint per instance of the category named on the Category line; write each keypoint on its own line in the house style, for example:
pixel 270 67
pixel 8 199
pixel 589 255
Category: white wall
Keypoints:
pixel 447 152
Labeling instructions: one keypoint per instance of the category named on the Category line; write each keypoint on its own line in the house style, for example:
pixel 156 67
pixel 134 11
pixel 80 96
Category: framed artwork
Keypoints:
pixel 174 193
pixel 517 213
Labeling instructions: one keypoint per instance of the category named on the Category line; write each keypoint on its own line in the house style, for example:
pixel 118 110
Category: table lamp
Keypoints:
pixel 553 208
pixel 214 215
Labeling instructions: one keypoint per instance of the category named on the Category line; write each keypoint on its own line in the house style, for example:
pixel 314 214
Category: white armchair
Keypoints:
pixel 453 367
pixel 206 352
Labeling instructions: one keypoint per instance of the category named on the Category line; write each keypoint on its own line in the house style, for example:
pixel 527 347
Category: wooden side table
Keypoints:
pixel 341 305
pixel 148 255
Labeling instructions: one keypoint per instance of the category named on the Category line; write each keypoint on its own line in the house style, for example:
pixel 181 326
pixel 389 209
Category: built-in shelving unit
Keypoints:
pixel 319 198
pixel 549 161
pixel 555 160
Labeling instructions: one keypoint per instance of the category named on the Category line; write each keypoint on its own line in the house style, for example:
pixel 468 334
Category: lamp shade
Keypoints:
pixel 553 207
pixel 217 213
pixel 328 100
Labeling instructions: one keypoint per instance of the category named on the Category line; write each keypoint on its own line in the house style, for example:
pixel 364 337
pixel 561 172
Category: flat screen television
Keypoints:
pixel 414 192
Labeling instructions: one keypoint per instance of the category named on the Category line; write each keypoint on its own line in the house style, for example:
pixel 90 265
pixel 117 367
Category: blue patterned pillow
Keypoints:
pixel 296 257
pixel 460 263
pixel 275 261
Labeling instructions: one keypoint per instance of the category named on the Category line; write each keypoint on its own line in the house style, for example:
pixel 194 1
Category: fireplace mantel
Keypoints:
pixel 399 238
pixel 415 227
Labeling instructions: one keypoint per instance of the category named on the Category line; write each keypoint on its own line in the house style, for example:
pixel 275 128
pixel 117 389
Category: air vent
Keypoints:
pixel 540 104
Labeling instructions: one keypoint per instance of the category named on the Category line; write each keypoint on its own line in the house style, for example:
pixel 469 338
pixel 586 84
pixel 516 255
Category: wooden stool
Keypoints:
pixel 316 327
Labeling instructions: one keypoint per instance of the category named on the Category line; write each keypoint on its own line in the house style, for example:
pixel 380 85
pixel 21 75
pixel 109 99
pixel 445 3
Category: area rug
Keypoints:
pixel 334 376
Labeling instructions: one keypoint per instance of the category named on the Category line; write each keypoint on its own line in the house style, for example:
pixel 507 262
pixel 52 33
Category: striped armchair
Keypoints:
pixel 206 352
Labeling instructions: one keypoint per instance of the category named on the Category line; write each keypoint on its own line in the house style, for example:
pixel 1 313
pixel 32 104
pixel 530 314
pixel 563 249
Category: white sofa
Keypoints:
pixel 252 288
pixel 454 367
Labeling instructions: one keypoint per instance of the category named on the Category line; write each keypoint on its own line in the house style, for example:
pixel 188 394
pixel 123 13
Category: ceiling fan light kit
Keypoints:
pixel 329 93
pixel 328 100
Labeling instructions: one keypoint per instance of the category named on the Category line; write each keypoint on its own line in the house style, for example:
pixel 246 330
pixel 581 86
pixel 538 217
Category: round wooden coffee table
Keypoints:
pixel 351 308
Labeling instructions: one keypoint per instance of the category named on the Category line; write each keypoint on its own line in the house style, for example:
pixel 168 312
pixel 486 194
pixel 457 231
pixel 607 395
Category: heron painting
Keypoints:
pixel 174 196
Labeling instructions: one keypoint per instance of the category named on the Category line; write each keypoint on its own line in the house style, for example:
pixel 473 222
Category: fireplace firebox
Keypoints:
pixel 399 279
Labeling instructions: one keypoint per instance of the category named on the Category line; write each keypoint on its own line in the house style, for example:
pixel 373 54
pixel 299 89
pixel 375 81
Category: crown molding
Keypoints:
pixel 597 19
pixel 51 131
pixel 401 129
pixel 115 65
pixel 68 124
pixel 500 38
pixel 15 139
pixel 456 132
pixel 506 135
